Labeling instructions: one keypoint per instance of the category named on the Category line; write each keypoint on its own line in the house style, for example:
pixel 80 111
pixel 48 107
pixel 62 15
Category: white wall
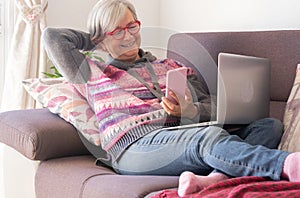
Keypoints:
pixel 215 15
pixel 148 11
pixel 229 15
pixel 69 13
pixel 2 50
pixel 153 36
pixel 1 171
pixel 161 18
pixel 190 15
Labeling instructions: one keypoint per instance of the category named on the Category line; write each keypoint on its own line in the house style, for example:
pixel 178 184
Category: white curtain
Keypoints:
pixel 26 57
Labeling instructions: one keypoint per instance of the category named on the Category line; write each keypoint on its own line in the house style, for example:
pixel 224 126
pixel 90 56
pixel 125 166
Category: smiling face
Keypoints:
pixel 125 49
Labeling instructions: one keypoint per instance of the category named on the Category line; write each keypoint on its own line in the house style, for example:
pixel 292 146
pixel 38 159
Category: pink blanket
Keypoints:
pixel 246 187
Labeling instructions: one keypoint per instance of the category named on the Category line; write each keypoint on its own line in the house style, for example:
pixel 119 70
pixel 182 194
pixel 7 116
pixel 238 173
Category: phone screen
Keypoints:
pixel 176 81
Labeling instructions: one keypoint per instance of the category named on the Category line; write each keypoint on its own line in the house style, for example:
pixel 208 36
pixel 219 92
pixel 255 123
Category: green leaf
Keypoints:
pixel 99 58
pixel 56 74
pixel 50 75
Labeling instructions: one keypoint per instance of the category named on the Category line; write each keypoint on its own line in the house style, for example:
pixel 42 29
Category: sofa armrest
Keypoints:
pixel 39 134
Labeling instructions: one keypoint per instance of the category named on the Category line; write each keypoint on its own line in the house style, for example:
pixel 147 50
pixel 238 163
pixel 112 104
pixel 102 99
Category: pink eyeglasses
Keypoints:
pixel 119 33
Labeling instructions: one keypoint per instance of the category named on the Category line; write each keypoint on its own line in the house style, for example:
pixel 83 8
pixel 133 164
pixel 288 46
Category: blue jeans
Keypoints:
pixel 201 150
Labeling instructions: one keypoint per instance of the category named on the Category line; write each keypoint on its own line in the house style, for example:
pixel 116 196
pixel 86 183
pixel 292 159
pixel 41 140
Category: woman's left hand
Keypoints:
pixel 184 108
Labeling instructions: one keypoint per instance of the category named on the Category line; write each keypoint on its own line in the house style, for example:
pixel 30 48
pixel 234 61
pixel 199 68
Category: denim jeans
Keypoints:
pixel 201 150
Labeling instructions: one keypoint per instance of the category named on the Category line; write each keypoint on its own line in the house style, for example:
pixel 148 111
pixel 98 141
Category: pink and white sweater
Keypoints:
pixel 125 108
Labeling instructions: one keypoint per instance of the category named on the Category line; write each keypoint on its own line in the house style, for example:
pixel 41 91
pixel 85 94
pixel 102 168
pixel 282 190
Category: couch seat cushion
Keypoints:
pixel 79 177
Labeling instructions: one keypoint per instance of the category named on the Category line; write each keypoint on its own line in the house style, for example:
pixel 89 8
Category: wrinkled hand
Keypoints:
pixel 184 108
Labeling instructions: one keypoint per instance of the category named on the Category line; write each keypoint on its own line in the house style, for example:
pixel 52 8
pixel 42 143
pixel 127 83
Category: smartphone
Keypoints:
pixel 176 81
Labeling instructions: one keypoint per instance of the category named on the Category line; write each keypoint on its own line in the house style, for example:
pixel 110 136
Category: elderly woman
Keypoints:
pixel 135 134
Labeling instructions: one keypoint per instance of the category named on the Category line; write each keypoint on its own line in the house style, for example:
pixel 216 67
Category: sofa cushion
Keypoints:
pixel 84 179
pixel 290 139
pixel 62 98
pixel 277 109
pixel 39 134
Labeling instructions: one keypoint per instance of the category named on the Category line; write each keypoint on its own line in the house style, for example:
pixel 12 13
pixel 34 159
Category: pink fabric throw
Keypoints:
pixel 242 187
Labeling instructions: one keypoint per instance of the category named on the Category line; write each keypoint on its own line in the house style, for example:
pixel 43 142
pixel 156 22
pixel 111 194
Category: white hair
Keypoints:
pixel 105 16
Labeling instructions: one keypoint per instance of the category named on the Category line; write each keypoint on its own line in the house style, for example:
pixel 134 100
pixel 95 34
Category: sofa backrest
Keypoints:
pixel 200 50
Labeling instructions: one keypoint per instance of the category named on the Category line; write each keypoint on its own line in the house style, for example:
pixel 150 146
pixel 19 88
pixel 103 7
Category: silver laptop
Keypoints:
pixel 242 90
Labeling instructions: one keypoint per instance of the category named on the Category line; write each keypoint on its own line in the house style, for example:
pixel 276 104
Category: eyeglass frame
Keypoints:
pixel 123 29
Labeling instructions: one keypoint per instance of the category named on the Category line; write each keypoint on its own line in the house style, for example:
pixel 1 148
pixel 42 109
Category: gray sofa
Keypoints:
pixel 67 168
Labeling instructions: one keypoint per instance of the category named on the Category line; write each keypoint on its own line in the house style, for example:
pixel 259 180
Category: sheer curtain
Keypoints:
pixel 26 57
pixel 7 21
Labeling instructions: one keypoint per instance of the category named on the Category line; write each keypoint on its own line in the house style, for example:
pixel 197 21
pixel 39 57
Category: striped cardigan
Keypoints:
pixel 126 110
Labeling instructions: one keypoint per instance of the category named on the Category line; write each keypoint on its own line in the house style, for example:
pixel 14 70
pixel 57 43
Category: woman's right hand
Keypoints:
pixel 184 108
